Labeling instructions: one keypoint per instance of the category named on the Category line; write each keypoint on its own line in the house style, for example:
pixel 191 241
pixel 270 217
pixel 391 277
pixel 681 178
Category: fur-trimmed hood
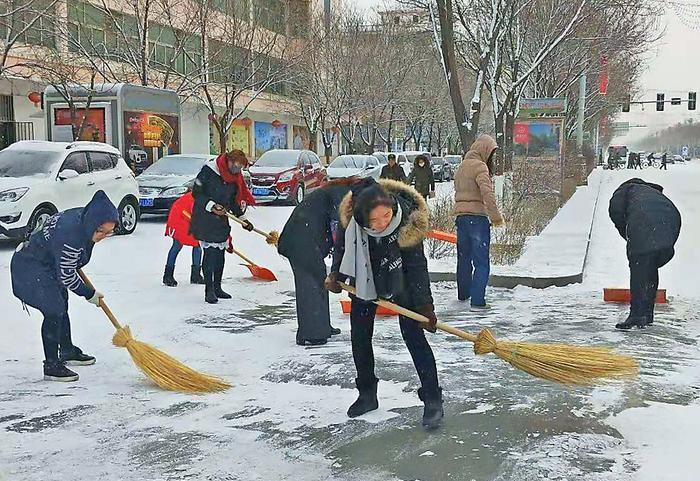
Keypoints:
pixel 415 223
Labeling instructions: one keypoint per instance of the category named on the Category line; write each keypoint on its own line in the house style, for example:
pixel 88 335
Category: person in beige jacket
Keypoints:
pixel 476 210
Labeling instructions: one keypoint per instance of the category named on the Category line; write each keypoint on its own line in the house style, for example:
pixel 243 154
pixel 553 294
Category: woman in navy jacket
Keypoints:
pixel 46 267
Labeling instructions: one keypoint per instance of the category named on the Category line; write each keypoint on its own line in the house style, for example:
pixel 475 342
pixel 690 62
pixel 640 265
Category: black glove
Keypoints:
pixel 428 311
pixel 331 283
pixel 248 226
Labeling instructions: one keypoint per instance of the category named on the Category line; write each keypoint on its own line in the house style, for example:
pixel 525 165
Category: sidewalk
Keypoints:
pixel 555 257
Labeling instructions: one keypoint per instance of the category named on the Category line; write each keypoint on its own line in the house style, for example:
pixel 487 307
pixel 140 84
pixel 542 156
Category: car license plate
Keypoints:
pixel 259 191
pixel 146 202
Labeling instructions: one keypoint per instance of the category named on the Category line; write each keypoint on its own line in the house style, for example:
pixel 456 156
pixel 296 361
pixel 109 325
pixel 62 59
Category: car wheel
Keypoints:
pixel 299 194
pixel 128 217
pixel 39 218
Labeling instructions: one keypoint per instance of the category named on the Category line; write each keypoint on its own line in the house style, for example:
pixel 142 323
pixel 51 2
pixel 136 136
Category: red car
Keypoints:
pixel 286 175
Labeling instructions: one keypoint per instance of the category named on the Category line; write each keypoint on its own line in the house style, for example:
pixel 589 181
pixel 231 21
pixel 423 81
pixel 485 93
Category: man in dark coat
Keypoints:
pixel 422 175
pixel 664 162
pixel 306 240
pixel 46 267
pixel 393 170
pixel 215 193
pixel 379 247
pixel 650 223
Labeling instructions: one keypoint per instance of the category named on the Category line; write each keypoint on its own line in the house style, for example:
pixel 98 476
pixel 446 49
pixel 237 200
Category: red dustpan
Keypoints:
pixel 256 270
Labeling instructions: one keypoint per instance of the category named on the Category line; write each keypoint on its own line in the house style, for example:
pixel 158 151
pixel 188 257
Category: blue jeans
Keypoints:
pixel 175 250
pixel 473 265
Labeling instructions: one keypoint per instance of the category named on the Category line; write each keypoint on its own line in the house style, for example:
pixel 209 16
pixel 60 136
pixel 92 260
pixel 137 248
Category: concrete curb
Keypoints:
pixel 512 281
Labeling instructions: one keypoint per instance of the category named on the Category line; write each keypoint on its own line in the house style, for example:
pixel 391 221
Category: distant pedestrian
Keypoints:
pixel 650 223
pixel 306 240
pixel 664 162
pixel 46 267
pixel 393 170
pixel 630 160
pixel 475 205
pixel 422 176
pixel 638 161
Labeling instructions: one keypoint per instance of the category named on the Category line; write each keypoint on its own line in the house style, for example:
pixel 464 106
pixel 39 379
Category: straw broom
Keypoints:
pixel 561 363
pixel 164 370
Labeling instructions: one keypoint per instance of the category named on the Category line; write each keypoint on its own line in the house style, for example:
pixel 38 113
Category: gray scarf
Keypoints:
pixel 356 261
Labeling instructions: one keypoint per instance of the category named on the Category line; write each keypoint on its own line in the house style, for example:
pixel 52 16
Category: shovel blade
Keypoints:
pixel 261 273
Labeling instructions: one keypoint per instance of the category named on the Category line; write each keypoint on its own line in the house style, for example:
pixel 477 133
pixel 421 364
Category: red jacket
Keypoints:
pixel 178 226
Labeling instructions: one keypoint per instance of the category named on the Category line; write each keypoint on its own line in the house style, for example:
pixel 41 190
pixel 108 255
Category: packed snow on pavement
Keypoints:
pixel 285 416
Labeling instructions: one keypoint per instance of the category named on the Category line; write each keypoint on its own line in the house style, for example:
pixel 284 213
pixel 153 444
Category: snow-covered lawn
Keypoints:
pixel 285 416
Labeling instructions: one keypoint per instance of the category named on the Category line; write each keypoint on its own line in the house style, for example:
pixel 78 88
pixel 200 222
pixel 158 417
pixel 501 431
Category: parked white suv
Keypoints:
pixel 38 179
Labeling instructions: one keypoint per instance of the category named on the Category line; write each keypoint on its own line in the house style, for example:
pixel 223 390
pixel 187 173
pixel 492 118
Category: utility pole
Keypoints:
pixel 581 111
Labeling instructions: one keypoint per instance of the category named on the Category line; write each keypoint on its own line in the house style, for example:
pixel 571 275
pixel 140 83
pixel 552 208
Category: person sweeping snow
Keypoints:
pixel 651 224
pixel 306 240
pixel 218 189
pixel 45 268
pixel 379 246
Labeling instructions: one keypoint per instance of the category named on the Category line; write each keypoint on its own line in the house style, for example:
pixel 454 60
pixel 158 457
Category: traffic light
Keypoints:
pixel 660 102
pixel 626 104
pixel 692 100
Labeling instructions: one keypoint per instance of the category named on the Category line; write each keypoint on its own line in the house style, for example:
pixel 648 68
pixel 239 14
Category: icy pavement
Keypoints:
pixel 285 416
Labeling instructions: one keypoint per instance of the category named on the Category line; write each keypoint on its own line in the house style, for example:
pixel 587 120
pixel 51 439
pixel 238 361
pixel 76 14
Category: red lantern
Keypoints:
pixel 246 121
pixel 276 124
pixel 603 77
pixel 34 97
pixel 213 117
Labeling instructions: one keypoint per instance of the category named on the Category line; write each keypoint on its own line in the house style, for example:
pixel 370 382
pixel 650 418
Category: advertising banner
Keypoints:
pixel 93 126
pixel 238 138
pixel 268 137
pixel 302 137
pixel 538 146
pixel 148 137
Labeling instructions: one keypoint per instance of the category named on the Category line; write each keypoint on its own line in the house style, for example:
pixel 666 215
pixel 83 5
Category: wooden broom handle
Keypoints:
pixel 242 222
pixel 415 316
pixel 242 256
pixel 104 307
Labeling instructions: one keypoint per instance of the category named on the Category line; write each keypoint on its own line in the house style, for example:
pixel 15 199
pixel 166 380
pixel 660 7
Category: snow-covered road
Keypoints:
pixel 285 417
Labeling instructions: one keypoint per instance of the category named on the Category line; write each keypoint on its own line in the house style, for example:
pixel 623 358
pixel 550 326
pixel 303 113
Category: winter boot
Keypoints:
pixel 367 400
pixel 56 371
pixel 196 275
pixel 209 294
pixel 631 321
pixel 432 412
pixel 334 331
pixel 74 356
pixel 168 278
pixel 220 293
pixel 312 342
pixel 480 308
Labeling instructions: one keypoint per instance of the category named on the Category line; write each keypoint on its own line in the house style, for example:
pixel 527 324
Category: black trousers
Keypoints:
pixel 313 313
pixel 55 331
pixel 213 265
pixel 362 316
pixel 644 281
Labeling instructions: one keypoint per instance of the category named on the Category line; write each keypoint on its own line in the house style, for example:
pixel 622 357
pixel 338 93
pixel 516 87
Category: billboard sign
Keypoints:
pixel 546 107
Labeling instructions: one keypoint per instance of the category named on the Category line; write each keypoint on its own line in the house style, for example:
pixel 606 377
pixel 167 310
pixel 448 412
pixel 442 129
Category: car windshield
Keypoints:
pixel 171 165
pixel 348 162
pixel 278 158
pixel 437 161
pixel 454 160
pixel 383 158
pixel 24 163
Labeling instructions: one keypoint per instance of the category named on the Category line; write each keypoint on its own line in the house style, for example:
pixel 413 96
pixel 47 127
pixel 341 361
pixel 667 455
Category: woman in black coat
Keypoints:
pixel 650 223
pixel 306 240
pixel 422 176
pixel 380 248
pixel 215 193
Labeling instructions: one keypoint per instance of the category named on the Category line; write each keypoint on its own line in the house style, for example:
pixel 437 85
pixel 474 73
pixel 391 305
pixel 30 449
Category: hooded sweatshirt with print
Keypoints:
pixel 45 266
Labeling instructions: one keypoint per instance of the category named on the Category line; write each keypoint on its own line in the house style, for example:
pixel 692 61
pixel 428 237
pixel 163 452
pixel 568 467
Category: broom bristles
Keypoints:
pixel 273 238
pixel 164 370
pixel 560 363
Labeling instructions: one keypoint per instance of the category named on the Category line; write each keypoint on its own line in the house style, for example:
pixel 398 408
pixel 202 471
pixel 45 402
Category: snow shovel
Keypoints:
pixel 256 270
pixel 443 236
pixel 561 363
